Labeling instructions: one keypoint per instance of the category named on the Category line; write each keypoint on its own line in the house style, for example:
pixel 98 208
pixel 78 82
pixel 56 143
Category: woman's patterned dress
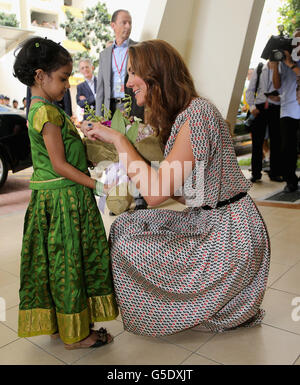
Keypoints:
pixel 174 270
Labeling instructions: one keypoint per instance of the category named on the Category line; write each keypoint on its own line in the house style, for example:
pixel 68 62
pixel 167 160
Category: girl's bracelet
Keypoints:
pixel 98 190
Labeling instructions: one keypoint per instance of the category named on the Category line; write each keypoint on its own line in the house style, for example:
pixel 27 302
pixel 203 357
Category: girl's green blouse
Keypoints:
pixel 44 177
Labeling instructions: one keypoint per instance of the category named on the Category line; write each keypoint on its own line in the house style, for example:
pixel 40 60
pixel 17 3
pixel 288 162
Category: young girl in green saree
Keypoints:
pixel 66 282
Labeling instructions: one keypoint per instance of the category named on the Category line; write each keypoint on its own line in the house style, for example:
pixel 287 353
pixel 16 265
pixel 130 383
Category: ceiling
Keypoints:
pixel 10 37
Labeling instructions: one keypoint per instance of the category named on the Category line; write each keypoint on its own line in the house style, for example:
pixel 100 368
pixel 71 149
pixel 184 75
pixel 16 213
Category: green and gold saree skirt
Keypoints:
pixel 66 280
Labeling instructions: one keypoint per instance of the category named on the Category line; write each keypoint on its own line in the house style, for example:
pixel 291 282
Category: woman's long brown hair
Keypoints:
pixel 170 87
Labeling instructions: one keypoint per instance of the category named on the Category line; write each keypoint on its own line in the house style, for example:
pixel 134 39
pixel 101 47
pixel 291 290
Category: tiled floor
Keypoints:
pixel 277 341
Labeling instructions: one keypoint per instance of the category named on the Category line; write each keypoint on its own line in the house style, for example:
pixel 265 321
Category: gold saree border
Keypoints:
pixel 35 322
pixel 103 308
pixel 72 327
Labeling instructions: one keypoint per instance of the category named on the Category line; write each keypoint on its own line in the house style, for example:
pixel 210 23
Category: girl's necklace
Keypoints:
pixel 40 97
pixel 45 100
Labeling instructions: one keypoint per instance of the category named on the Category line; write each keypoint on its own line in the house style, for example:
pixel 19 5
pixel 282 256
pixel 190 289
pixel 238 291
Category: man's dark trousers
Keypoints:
pixel 267 117
pixel 289 128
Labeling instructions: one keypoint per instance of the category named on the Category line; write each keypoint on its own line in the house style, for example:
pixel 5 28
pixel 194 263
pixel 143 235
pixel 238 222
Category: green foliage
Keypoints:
pixel 290 15
pixel 106 113
pixel 8 19
pixel 245 162
pixel 127 104
pixel 133 131
pixel 92 30
pixel 120 120
pixel 118 123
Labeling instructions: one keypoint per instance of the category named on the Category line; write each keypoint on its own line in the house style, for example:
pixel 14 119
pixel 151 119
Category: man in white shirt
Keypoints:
pixel 285 78
pixel 86 91
pixel 265 106
pixel 112 74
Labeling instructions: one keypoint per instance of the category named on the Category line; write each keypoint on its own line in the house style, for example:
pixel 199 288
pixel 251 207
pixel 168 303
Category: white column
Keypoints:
pixel 153 19
pixel 215 37
pixel 24 14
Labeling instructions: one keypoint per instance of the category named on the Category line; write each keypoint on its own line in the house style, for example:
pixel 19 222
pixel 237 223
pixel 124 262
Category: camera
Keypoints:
pixel 274 50
pixel 273 93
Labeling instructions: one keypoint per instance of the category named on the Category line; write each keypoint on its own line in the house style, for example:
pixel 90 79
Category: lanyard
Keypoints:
pixel 119 70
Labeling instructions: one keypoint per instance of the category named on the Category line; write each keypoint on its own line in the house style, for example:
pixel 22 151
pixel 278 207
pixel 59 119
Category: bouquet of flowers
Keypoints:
pixel 104 155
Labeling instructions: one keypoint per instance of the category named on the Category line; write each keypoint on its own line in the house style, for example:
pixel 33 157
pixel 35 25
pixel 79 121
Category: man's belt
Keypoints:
pixel 117 100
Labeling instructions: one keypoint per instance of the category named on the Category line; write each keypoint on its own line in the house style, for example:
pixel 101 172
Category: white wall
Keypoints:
pixel 222 38
pixel 176 23
pixel 267 27
pixel 215 38
pixel 9 85
pixel 153 19
pixel 137 9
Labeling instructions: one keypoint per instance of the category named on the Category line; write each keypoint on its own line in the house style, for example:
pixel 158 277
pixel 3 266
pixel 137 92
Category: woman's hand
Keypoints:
pixel 85 127
pixel 103 133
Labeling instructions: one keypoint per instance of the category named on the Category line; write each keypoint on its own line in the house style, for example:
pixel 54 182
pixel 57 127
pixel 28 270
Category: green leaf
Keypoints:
pixel 132 133
pixel 8 20
pixel 93 30
pixel 117 122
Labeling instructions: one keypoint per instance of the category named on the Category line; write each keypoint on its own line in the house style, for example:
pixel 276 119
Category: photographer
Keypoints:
pixel 285 77
pixel 264 102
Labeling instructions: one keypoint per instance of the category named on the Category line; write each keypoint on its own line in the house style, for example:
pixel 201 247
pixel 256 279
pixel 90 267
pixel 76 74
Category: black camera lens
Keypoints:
pixel 277 55
pixel 275 44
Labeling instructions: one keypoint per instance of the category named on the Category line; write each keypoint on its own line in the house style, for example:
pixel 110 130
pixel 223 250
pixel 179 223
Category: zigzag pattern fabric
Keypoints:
pixel 174 270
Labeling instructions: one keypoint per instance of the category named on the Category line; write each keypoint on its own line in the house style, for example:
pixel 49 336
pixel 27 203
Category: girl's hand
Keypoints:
pixel 103 133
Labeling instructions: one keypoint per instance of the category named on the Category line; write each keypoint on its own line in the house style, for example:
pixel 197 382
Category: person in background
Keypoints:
pixel 15 104
pixel 24 100
pixel 285 76
pixel 86 91
pixel 65 103
pixel 109 43
pixel 245 105
pixel 112 76
pixel 7 101
pixel 265 107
